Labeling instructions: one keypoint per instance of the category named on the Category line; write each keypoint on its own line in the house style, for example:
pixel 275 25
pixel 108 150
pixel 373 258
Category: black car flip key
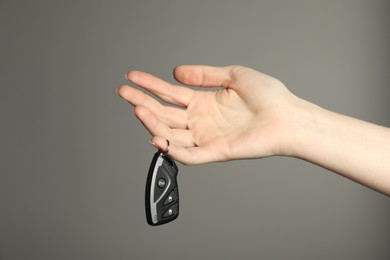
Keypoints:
pixel 161 193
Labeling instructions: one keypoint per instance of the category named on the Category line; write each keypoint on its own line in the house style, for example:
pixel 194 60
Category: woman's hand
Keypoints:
pixel 250 116
pixel 253 115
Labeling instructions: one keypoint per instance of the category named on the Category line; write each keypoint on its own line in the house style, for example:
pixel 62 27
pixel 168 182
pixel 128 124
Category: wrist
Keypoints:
pixel 301 126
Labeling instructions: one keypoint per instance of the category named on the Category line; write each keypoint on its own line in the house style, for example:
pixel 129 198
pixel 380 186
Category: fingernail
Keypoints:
pixel 153 144
pixel 126 76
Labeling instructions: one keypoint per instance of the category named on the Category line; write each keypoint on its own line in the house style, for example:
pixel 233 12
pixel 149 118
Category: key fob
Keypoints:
pixel 161 193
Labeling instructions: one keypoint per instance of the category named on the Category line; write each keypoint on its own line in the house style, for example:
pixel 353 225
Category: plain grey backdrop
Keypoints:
pixel 74 159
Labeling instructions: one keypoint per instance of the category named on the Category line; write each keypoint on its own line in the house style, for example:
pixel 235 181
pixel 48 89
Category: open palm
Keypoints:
pixel 246 118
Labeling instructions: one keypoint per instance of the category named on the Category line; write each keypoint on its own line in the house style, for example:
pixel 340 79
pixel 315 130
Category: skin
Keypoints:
pixel 254 115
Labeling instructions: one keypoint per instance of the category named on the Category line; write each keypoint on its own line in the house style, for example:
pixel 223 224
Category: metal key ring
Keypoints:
pixel 167 149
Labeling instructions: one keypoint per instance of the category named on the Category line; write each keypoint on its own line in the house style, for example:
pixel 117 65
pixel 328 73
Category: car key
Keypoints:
pixel 161 193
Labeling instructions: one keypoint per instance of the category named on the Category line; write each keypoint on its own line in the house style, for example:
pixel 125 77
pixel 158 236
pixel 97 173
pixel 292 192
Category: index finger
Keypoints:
pixel 170 93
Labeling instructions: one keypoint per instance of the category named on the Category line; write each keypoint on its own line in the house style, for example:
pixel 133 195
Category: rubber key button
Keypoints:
pixel 168 200
pixel 171 198
pixel 161 183
pixel 170 212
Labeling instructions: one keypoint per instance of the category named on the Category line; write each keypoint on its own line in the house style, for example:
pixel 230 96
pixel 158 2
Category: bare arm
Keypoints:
pixel 254 115
pixel 353 148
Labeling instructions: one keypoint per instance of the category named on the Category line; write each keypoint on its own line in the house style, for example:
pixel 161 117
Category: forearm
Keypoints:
pixel 353 148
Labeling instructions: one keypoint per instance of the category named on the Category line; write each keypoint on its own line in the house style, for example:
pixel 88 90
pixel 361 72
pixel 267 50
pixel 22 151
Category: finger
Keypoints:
pixel 156 127
pixel 187 156
pixel 203 76
pixel 173 117
pixel 176 95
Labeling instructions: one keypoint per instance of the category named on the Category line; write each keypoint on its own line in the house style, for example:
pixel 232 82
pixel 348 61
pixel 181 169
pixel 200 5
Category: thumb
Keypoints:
pixel 204 76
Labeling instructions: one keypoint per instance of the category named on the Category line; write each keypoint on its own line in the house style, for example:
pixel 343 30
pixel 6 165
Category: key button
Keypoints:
pixel 171 211
pixel 161 183
pixel 171 198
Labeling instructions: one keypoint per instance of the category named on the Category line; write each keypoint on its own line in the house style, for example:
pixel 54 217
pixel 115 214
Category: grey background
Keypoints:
pixel 74 159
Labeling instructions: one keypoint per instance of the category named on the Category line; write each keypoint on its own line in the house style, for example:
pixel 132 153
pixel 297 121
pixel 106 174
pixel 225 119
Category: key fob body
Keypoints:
pixel 161 193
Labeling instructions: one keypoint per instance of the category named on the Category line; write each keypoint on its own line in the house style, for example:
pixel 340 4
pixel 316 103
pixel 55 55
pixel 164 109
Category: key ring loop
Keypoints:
pixel 167 149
